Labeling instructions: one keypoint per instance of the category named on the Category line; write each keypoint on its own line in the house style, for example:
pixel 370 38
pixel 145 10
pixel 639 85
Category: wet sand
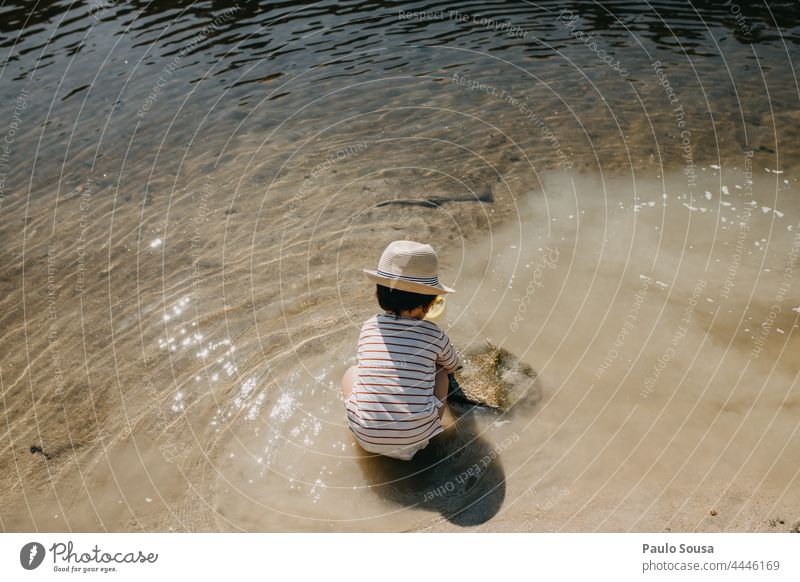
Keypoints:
pixel 656 406
pixel 182 289
pixel 667 405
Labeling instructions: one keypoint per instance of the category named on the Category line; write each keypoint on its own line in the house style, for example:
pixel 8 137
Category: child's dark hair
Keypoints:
pixel 395 300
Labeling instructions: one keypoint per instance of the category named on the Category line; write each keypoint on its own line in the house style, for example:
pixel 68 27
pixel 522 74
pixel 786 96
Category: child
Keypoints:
pixel 396 394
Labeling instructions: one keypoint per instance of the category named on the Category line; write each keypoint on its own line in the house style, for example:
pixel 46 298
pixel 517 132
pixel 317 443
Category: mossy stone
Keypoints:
pixel 493 377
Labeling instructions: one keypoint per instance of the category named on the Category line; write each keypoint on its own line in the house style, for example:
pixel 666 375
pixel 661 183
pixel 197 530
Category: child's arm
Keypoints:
pixel 448 358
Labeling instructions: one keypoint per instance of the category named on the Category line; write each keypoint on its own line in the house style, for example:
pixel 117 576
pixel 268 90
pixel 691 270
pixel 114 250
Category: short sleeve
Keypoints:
pixel 447 358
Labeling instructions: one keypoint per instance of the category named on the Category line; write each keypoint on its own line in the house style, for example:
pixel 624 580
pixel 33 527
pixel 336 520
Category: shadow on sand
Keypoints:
pixel 458 475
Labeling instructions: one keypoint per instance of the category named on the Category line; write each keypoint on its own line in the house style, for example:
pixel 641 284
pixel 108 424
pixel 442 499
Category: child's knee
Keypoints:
pixel 348 380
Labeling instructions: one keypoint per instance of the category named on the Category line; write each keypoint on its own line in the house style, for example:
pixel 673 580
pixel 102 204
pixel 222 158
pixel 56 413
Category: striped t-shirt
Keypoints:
pixel 392 405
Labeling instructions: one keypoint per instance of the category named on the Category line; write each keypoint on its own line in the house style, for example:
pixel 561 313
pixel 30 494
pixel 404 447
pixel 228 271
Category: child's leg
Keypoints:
pixel 440 388
pixel 348 381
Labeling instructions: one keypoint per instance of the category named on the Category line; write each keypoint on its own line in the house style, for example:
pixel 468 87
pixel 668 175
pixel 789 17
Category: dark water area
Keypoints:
pixel 209 74
pixel 191 189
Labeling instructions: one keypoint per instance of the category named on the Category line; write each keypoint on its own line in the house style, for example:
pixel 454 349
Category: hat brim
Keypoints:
pixel 410 286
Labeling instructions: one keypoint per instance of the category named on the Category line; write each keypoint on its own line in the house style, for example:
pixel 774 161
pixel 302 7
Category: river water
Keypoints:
pixel 191 189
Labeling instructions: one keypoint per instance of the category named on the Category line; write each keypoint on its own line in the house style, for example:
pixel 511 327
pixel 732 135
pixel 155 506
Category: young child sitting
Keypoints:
pixel 395 396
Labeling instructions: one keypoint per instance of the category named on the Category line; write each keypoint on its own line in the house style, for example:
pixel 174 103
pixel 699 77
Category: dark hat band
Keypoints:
pixel 432 281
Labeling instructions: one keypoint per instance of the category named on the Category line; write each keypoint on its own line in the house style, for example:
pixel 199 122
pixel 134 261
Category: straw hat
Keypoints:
pixel 409 266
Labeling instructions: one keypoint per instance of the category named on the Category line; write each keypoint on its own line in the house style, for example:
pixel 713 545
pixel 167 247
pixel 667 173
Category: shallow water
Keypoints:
pixel 191 191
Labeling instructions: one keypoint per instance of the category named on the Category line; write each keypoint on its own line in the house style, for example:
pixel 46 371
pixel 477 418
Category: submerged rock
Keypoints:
pixel 492 377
